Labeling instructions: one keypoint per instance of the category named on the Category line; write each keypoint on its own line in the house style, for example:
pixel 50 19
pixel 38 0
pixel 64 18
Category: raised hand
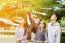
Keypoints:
pixel 30 15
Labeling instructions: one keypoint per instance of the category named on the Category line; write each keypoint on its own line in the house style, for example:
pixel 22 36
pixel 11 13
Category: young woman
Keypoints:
pixel 33 27
pixel 54 29
pixel 21 32
pixel 39 29
pixel 41 34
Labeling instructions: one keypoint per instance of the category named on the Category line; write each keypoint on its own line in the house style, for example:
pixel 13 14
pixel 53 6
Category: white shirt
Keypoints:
pixel 54 33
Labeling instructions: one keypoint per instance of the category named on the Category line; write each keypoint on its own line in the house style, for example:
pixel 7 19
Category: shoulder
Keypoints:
pixel 58 24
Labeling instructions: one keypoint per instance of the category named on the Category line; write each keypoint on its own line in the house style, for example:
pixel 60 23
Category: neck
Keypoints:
pixel 53 22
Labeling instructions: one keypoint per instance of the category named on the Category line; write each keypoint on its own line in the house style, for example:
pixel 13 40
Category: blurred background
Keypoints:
pixel 12 11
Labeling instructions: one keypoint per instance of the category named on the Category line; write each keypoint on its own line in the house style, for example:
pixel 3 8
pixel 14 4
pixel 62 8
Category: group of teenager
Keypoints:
pixel 38 31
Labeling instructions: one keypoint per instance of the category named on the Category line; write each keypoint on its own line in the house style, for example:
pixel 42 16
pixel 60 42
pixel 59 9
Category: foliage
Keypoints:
pixel 11 8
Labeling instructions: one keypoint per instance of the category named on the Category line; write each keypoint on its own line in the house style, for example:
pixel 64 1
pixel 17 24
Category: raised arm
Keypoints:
pixel 32 21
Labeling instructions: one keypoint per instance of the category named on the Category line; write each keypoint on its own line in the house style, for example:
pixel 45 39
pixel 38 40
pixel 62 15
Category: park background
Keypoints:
pixel 11 12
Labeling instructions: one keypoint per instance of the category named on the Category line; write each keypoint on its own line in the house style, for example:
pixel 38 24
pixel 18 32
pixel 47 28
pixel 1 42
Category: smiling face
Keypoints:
pixel 42 25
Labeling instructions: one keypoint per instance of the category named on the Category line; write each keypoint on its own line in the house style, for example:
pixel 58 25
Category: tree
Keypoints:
pixel 39 8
